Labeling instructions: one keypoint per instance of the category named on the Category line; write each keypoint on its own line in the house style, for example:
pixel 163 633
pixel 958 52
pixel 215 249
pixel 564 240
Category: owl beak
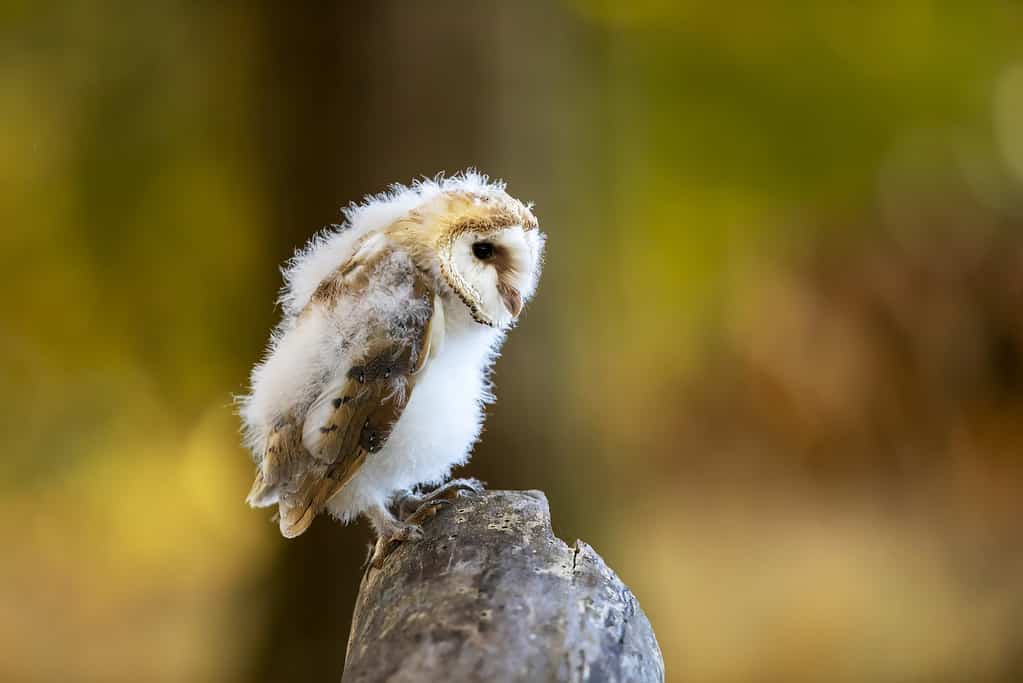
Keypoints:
pixel 512 300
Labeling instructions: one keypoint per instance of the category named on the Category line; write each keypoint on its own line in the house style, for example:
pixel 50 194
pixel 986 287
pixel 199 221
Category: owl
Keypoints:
pixel 375 380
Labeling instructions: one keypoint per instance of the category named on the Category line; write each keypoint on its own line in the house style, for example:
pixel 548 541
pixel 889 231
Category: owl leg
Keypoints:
pixel 410 504
pixel 390 532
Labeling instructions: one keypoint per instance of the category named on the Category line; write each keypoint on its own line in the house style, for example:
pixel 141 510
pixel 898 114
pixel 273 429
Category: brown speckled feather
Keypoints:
pixel 309 460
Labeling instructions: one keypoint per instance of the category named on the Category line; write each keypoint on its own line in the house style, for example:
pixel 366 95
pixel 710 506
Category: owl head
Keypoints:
pixel 486 246
pixel 482 245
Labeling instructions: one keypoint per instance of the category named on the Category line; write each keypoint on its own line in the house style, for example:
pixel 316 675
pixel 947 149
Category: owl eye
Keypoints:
pixel 484 251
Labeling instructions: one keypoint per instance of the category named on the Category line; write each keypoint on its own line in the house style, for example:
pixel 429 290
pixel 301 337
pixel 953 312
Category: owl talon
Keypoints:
pixel 409 504
pixel 380 552
pixel 427 510
pixel 387 542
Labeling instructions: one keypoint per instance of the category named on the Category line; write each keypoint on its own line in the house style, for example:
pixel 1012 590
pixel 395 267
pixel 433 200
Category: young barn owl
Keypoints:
pixel 375 380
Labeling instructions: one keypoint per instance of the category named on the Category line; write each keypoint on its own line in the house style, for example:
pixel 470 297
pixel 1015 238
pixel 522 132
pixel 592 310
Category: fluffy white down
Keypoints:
pixel 439 425
pixel 309 354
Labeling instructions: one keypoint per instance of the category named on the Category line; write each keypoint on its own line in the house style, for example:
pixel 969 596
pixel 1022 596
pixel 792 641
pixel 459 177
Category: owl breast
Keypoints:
pixel 438 427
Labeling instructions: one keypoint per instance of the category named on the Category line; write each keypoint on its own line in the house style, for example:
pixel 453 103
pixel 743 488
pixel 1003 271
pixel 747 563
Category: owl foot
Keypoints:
pixel 409 504
pixel 411 529
pixel 396 532
pixel 414 510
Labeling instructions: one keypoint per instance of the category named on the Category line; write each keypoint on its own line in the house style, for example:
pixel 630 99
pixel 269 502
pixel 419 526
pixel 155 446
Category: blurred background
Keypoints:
pixel 774 372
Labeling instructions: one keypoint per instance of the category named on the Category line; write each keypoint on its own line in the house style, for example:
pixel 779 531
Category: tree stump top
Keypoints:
pixel 491 594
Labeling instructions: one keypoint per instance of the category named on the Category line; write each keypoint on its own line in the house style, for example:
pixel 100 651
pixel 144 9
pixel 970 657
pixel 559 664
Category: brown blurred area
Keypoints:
pixel 774 372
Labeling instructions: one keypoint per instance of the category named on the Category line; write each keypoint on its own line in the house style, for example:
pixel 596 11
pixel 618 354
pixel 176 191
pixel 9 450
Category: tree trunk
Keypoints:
pixel 491 594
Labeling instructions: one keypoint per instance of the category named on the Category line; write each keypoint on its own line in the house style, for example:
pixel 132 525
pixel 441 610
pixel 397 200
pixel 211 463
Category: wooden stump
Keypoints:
pixel 491 594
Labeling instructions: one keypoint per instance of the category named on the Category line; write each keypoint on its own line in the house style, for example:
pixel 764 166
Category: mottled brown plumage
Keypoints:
pixel 305 466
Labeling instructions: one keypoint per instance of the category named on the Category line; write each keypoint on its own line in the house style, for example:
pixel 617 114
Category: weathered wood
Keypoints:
pixel 491 594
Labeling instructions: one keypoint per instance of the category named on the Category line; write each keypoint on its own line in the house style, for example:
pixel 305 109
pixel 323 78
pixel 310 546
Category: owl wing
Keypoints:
pixel 307 463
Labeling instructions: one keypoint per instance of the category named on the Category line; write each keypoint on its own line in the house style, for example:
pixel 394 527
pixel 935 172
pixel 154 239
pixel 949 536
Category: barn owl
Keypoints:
pixel 375 379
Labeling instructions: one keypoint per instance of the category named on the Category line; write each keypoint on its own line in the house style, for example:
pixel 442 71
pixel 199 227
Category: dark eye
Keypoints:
pixel 484 251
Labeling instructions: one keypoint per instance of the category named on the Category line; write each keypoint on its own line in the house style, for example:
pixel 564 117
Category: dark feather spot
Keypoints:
pixel 370 439
pixel 329 429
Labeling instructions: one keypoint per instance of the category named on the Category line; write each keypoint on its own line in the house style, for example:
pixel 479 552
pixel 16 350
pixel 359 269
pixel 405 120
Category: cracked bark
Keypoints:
pixel 491 594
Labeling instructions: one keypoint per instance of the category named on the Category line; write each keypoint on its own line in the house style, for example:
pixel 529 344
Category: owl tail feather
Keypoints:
pixel 261 494
pixel 295 516
pixel 296 512
pixel 294 521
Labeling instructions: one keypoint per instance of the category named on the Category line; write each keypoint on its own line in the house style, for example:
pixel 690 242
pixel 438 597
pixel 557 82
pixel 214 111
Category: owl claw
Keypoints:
pixel 427 510
pixel 410 503
pixel 380 552
pixel 387 542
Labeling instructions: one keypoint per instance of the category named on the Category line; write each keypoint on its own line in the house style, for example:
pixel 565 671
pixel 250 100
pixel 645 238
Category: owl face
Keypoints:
pixel 495 270
pixel 484 245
